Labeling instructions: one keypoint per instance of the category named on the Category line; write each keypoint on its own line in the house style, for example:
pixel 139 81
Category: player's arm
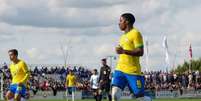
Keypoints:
pixel 100 75
pixel 136 52
pixel 76 81
pixel 138 44
pixel 27 74
pixel 110 77
pixel 67 81
pixel 91 81
pixel 9 71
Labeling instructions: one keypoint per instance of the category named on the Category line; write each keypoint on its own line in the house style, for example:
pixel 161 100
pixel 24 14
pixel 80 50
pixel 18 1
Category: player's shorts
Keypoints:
pixel 95 91
pixel 71 89
pixel 105 87
pixel 15 89
pixel 134 82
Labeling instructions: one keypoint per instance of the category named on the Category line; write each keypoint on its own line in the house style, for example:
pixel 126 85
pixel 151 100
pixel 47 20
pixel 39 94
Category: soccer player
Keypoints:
pixel 71 84
pixel 104 80
pixel 94 84
pixel 128 70
pixel 20 75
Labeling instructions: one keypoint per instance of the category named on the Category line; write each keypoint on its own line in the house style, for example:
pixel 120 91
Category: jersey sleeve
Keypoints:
pixel 138 40
pixel 26 71
pixel 75 79
pixel 90 79
pixel 67 80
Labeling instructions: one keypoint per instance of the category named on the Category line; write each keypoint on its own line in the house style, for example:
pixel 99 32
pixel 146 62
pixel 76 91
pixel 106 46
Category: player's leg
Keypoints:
pixel 66 94
pixel 118 83
pixel 100 91
pixel 9 96
pixel 23 99
pixel 73 93
pixel 11 92
pixel 108 93
pixel 136 85
pixel 17 97
pixel 20 92
pixel 69 90
pixel 95 93
pixel 116 93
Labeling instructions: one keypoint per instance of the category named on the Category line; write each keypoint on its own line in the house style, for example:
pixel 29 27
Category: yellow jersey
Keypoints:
pixel 126 63
pixel 19 72
pixel 70 80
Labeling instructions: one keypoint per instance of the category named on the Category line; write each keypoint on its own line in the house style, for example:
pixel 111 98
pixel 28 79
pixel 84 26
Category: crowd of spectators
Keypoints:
pixel 172 81
pixel 53 78
pixel 46 78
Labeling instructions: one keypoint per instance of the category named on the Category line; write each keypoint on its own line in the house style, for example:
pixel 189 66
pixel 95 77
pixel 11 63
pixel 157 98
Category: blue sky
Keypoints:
pixel 89 29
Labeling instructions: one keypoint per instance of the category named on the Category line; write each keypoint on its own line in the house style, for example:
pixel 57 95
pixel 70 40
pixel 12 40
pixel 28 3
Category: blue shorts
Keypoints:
pixel 71 89
pixel 134 82
pixel 15 89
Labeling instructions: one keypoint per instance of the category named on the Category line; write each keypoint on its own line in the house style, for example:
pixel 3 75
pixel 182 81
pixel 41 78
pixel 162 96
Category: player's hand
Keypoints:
pixel 101 81
pixel 119 50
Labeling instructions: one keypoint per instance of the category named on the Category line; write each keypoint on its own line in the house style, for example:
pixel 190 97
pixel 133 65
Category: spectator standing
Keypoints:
pixel 94 84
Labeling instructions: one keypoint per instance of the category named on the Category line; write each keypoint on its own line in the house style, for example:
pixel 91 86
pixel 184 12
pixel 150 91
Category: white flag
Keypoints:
pixel 147 54
pixel 165 46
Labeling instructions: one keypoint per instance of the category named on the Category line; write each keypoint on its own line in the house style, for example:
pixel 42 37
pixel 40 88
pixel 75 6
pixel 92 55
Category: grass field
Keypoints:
pixel 128 100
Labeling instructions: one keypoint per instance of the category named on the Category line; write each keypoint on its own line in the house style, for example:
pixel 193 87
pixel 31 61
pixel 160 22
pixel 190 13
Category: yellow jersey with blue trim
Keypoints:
pixel 126 63
pixel 19 72
pixel 71 80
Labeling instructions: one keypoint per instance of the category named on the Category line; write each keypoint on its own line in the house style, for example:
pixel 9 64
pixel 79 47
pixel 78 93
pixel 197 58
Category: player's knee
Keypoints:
pixel 116 93
pixel 100 91
pixel 9 96
pixel 17 97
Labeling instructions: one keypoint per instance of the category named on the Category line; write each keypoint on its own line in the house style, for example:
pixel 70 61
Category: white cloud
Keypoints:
pixel 33 53
pixel 36 28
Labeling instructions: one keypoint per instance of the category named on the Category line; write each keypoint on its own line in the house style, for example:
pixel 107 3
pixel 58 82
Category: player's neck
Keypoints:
pixel 16 61
pixel 128 29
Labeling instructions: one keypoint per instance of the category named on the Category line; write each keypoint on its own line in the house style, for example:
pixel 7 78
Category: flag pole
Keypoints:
pixel 165 46
pixel 191 55
pixel 147 54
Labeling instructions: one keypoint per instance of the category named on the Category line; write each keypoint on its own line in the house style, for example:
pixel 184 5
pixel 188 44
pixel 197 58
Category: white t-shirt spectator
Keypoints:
pixel 164 77
pixel 175 76
pixel 197 74
pixel 190 77
pixel 94 81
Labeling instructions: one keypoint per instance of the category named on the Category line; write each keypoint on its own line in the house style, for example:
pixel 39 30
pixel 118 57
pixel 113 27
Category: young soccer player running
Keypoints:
pixel 20 75
pixel 128 70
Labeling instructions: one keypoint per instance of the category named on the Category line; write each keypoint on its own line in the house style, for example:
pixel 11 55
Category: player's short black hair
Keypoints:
pixel 129 17
pixel 14 51
pixel 104 59
pixel 95 70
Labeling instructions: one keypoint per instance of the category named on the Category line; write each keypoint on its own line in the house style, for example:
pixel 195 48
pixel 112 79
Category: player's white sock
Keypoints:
pixel 11 100
pixel 73 96
pixel 116 93
pixel 23 99
pixel 140 99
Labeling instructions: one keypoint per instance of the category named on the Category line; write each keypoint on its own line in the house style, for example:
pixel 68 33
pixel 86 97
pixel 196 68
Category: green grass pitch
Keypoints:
pixel 127 100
